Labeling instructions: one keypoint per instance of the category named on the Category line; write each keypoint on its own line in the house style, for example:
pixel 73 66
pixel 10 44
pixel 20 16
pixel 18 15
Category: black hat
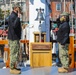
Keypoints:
pixel 16 5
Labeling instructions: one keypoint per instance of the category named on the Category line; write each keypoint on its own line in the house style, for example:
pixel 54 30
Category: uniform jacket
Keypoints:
pixel 14 31
pixel 63 33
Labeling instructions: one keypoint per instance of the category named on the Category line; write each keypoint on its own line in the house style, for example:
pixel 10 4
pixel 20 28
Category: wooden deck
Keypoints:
pixel 37 71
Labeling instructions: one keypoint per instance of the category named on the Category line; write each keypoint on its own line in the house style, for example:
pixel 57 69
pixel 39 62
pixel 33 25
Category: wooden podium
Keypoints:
pixel 40 54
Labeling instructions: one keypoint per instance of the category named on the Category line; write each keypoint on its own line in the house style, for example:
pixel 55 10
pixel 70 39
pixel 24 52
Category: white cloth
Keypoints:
pixel 55 45
pixel 23 34
pixel 22 38
pixel 27 32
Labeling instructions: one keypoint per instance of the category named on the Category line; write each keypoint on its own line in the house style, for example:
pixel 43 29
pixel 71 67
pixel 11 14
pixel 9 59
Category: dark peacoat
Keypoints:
pixel 14 30
pixel 63 33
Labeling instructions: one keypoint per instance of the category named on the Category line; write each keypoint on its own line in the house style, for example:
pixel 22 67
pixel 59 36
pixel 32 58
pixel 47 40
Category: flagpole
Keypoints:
pixel 72 15
pixel 75 6
pixel 10 7
pixel 4 14
pixel 64 5
pixel 61 6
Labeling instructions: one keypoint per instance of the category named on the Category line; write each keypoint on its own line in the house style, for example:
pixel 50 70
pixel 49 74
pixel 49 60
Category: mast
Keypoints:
pixel 72 16
pixel 61 6
pixel 4 14
pixel 10 6
pixel 64 5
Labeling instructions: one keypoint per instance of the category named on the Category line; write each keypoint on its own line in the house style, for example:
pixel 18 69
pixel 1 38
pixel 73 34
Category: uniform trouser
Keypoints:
pixel 63 55
pixel 14 52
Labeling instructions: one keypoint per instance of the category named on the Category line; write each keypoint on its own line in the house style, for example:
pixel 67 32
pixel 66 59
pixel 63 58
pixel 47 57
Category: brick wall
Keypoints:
pixel 56 13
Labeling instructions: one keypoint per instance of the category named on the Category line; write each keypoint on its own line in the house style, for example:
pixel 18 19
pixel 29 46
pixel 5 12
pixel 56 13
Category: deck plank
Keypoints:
pixel 37 71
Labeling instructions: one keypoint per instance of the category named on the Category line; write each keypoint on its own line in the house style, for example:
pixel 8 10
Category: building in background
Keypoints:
pixel 57 7
pixel 5 6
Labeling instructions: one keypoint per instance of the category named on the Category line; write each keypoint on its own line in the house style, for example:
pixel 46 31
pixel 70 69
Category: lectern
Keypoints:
pixel 40 54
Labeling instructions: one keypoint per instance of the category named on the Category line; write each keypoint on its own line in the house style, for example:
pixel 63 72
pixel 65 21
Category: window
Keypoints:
pixel 1 1
pixel 71 6
pixel 18 0
pixel 8 4
pixel 58 6
pixel 12 0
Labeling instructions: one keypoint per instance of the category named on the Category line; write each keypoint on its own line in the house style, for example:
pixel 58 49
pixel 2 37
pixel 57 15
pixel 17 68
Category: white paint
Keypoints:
pixel 33 5
pixel 4 67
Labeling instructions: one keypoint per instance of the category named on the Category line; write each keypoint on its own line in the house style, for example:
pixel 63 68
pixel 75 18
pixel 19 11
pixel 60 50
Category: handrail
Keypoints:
pixel 3 42
pixel 71 51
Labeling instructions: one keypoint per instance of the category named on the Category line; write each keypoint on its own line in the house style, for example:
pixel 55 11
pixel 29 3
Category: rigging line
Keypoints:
pixel 4 14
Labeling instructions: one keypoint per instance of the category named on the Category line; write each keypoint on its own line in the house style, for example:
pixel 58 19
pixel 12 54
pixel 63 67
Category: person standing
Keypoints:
pixel 63 39
pixel 14 35
pixel 54 42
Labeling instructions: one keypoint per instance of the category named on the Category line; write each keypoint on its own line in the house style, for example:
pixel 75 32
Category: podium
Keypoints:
pixel 40 54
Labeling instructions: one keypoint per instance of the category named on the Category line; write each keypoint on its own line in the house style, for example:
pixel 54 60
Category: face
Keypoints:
pixel 62 18
pixel 17 9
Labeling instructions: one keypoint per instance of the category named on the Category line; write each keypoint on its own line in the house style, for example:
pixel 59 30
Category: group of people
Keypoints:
pixel 62 38
pixel 14 35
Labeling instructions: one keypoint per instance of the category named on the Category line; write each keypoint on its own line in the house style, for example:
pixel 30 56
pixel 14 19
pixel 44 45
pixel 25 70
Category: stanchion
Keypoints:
pixel 7 56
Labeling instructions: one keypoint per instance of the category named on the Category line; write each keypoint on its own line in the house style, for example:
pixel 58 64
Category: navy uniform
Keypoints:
pixel 63 39
pixel 14 35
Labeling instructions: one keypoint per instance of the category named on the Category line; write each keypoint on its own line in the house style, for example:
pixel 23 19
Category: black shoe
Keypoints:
pixel 18 69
